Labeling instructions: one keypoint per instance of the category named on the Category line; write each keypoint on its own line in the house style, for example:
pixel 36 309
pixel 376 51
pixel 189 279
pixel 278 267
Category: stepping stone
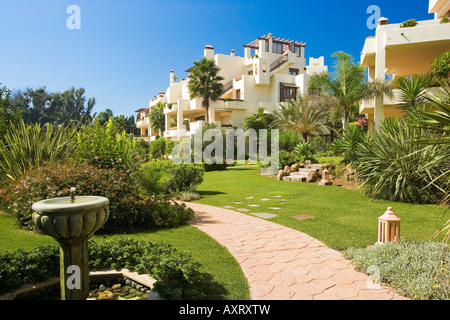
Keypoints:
pixel 237 202
pixel 265 215
pixel 249 197
pixel 242 209
pixel 275 208
pixel 228 207
pixel 253 205
pixel 279 196
pixel 265 199
pixel 303 217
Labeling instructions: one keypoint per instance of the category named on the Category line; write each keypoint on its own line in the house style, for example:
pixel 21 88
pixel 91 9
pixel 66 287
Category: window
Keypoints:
pixel 297 50
pixel 267 45
pixel 277 47
pixel 293 72
pixel 287 92
pixel 202 118
pixel 250 73
pixel 238 94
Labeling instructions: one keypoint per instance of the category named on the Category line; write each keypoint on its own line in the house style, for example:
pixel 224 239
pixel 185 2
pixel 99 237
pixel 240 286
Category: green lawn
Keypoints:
pixel 227 279
pixel 343 218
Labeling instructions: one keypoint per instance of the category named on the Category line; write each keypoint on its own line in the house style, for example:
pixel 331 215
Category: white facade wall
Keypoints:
pixel 260 88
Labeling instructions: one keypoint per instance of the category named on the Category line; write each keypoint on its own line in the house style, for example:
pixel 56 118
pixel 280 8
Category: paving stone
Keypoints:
pixel 265 215
pixel 265 199
pixel 251 197
pixel 242 209
pixel 228 207
pixel 274 208
pixel 253 205
pixel 283 263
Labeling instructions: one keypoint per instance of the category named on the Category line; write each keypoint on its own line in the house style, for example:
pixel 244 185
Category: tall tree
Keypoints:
pixel 8 112
pixel 204 82
pixel 347 85
pixel 104 116
pixel 157 117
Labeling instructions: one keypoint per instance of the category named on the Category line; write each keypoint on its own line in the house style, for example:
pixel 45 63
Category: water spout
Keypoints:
pixel 72 193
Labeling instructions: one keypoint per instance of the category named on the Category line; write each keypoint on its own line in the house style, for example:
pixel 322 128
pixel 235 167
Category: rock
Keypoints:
pixel 313 175
pixel 280 174
pixel 287 170
pixel 301 165
pixel 116 286
pixel 295 167
pixel 308 162
pixel 101 288
pixel 105 295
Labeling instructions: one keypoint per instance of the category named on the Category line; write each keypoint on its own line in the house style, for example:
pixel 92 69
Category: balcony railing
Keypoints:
pixel 227 86
pixel 279 62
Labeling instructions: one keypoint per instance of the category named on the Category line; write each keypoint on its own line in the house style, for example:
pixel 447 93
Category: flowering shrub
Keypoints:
pixel 128 210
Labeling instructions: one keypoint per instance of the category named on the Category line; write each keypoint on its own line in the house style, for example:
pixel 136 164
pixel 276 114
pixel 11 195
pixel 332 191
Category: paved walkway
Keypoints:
pixel 281 263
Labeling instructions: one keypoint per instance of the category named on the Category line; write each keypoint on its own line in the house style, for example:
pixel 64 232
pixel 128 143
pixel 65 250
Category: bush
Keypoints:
pixel 158 148
pixel 419 270
pixel 102 146
pixel 348 145
pixel 25 146
pixel 288 158
pixel 396 168
pixel 408 23
pixel 167 177
pixel 177 274
pixel 128 211
pixel 304 150
pixel 288 140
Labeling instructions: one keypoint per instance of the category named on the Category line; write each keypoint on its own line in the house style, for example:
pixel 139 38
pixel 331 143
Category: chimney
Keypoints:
pixel 232 53
pixel 382 21
pixel 171 78
pixel 209 52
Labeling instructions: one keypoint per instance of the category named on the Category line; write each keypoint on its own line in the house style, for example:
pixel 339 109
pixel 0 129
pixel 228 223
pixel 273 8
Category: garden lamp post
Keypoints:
pixel 388 227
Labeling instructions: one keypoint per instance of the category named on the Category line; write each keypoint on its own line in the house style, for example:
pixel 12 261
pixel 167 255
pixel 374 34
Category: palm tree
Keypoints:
pixel 302 116
pixel 204 82
pixel 157 117
pixel 260 120
pixel 347 86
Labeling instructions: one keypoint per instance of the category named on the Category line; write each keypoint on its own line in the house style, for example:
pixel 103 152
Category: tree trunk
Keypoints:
pixel 206 106
pixel 345 118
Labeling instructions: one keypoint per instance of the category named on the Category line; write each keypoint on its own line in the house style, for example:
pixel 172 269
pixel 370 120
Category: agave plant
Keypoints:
pixel 25 146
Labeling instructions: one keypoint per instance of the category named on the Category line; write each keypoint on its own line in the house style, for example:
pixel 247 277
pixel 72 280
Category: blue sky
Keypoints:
pixel 125 49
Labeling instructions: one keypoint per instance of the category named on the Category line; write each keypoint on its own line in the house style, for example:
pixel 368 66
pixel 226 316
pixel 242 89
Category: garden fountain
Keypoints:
pixel 72 221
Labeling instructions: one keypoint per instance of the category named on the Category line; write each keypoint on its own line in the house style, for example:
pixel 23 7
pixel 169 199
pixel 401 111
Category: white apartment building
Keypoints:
pixel 271 71
pixel 397 51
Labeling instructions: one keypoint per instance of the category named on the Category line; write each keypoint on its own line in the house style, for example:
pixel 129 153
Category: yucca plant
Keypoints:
pixel 26 146
pixel 396 169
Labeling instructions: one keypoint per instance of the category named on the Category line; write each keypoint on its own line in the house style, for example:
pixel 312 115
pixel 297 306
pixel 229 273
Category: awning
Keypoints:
pixel 290 85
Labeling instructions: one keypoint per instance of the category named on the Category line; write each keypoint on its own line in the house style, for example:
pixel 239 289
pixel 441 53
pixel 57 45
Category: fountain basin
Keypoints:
pixel 64 218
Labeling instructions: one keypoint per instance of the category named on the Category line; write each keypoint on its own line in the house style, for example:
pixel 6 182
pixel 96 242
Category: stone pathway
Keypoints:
pixel 281 263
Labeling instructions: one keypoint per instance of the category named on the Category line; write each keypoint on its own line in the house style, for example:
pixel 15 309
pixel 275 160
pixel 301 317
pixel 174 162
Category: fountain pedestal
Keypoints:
pixel 71 222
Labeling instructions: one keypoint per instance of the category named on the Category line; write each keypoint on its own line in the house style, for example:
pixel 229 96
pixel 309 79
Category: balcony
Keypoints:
pixel 368 52
pixel 171 108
